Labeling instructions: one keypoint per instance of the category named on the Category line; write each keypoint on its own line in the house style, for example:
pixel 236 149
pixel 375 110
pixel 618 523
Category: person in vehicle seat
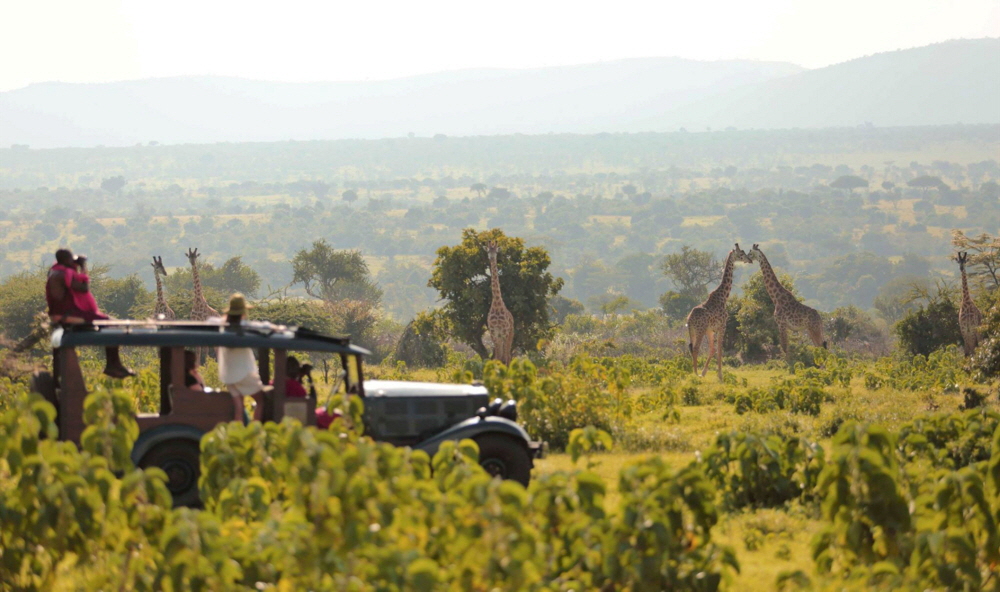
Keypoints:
pixel 293 372
pixel 237 365
pixel 192 377
pixel 70 302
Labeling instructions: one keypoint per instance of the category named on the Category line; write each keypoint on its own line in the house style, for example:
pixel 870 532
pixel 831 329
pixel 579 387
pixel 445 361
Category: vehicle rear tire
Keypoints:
pixel 43 384
pixel 179 459
pixel 505 457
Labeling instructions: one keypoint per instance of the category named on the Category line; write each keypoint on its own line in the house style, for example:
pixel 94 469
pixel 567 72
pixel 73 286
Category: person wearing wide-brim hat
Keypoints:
pixel 237 365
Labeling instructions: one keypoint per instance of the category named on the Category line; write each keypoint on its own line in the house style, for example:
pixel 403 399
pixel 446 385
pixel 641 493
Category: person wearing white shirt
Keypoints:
pixel 237 365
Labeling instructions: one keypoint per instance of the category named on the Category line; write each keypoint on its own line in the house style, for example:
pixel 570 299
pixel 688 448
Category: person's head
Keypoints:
pixel 292 367
pixel 65 257
pixel 190 360
pixel 237 309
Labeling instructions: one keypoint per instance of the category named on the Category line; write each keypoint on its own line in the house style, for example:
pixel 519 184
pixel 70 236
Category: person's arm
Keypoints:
pixel 79 280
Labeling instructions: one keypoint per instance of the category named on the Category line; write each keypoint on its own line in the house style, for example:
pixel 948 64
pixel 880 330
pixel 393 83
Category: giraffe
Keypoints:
pixel 789 313
pixel 499 320
pixel 162 308
pixel 709 317
pixel 969 317
pixel 200 310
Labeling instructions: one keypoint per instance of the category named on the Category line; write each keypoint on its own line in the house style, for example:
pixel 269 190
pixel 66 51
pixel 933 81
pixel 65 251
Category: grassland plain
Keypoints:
pixel 767 541
pixel 658 412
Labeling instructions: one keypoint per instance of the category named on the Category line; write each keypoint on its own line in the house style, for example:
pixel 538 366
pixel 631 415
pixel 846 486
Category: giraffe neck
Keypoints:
pixel 771 283
pixel 966 296
pixel 495 283
pixel 196 280
pixel 721 294
pixel 159 290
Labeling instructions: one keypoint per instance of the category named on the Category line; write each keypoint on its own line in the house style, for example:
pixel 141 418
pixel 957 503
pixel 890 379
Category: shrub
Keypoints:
pixel 930 327
pixel 760 470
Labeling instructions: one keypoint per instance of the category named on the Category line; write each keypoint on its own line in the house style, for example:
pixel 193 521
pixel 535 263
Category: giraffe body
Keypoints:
pixel 789 313
pixel 499 321
pixel 162 308
pixel 200 310
pixel 709 318
pixel 969 316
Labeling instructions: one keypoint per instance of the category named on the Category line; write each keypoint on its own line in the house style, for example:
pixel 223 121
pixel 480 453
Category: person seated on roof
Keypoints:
pixel 192 377
pixel 237 365
pixel 293 374
pixel 70 302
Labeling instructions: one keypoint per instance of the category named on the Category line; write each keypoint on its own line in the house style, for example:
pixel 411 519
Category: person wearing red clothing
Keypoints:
pixel 70 302
pixel 294 388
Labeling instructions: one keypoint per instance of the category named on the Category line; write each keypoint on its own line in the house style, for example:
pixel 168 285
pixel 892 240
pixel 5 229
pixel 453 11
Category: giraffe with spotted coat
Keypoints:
pixel 789 313
pixel 709 318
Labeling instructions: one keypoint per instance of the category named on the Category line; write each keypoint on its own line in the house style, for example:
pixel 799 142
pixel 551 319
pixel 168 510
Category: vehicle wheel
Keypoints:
pixel 505 457
pixel 179 460
pixel 43 384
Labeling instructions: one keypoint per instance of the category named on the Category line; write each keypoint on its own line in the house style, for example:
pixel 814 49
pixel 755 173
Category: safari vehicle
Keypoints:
pixel 420 415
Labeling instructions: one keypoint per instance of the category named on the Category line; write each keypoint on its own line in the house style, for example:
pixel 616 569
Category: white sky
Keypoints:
pixel 307 40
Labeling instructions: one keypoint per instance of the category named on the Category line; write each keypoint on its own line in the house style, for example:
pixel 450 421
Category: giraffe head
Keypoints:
pixel 755 253
pixel 962 257
pixel 491 250
pixel 741 255
pixel 158 268
pixel 193 255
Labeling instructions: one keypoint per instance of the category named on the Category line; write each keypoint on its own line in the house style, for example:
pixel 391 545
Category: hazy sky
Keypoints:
pixel 304 40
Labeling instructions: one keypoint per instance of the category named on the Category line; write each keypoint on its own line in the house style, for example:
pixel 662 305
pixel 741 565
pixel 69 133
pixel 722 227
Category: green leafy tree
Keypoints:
pixel 123 298
pixel 232 276
pixel 677 305
pixel 931 326
pixel 751 330
pixel 561 307
pixel 849 182
pixel 460 276
pixel 986 360
pixel 333 275
pixel 114 184
pixel 692 271
pixel 420 345
pixel 983 266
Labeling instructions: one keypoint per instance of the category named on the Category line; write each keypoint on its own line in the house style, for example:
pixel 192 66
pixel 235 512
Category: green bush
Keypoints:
pixel 760 470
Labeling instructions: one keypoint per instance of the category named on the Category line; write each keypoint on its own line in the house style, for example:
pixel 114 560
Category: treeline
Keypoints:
pixel 352 161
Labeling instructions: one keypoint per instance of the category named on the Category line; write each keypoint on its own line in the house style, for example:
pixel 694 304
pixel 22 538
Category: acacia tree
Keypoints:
pixel 691 271
pixel 849 182
pixel 332 275
pixel 460 275
pixel 983 266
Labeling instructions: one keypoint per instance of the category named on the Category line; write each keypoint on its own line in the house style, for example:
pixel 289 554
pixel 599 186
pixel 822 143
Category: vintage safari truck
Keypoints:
pixel 420 415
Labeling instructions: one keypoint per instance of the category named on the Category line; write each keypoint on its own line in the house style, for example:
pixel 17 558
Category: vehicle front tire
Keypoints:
pixel 505 457
pixel 179 459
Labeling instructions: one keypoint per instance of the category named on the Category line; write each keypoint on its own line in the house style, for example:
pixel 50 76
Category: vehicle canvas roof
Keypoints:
pixel 154 333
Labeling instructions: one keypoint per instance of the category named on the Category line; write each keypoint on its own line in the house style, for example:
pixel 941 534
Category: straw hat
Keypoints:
pixel 237 305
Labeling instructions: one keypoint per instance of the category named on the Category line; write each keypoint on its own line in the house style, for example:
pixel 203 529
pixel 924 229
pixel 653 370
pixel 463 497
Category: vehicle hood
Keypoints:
pixel 402 388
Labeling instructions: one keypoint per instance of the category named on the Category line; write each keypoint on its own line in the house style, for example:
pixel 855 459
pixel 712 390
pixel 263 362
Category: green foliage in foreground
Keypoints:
pixel 289 507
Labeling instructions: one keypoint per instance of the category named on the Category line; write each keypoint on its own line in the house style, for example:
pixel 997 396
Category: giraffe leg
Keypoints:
pixel 711 352
pixel 718 352
pixel 816 335
pixel 695 347
pixel 783 341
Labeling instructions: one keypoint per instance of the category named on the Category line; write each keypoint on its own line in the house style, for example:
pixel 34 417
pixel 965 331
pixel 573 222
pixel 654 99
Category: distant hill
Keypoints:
pixel 953 82
pixel 945 83
pixel 589 98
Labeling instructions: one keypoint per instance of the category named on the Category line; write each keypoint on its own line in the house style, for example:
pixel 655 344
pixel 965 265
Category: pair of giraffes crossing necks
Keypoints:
pixel 708 319
pixel 200 309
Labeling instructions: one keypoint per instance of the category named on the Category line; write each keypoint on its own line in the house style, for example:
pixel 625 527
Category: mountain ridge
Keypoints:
pixel 944 83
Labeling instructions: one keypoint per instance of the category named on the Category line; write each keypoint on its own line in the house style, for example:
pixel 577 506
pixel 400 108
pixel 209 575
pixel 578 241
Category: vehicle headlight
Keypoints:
pixel 494 406
pixel 509 410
